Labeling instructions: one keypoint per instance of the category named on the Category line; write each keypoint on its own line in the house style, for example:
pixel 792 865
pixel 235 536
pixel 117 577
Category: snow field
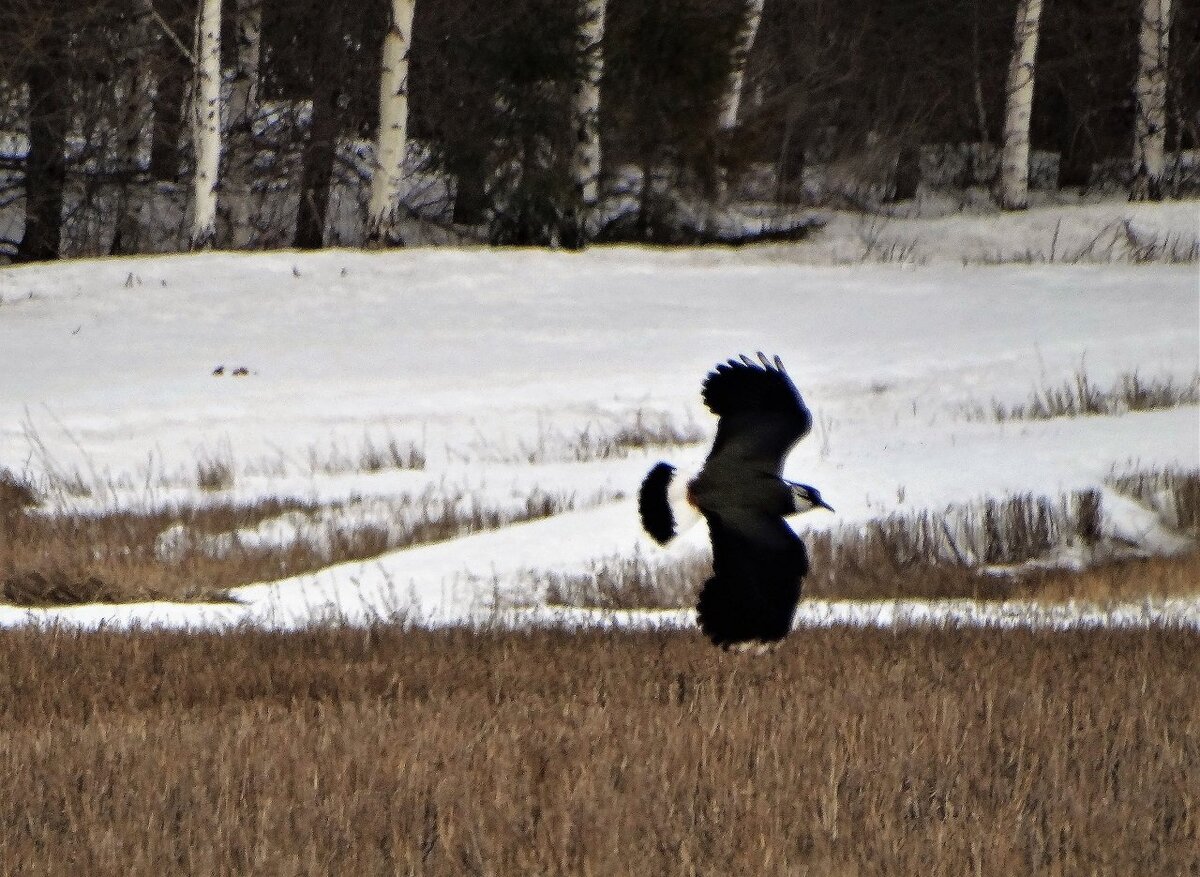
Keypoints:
pixel 511 372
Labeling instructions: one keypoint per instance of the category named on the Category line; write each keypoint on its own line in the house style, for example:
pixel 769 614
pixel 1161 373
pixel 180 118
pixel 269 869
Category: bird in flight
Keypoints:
pixel 758 560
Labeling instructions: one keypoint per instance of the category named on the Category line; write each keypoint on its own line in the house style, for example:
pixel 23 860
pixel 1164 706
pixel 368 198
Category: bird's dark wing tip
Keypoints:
pixel 743 385
pixel 654 508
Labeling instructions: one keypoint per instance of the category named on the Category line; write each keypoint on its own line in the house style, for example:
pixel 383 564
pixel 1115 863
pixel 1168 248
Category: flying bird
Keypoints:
pixel 758 561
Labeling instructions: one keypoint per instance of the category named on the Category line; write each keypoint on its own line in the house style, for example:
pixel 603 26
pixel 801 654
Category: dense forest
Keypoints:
pixel 133 126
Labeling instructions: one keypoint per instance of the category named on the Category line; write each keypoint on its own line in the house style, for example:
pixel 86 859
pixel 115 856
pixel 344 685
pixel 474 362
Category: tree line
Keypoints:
pixel 146 125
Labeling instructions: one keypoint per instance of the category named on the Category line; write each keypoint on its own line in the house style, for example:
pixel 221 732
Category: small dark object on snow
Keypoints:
pixel 219 370
pixel 240 372
pixel 758 561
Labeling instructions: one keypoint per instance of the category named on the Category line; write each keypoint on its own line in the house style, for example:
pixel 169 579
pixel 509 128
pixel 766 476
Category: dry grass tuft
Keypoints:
pixel 54 588
pixel 214 474
pixel 384 751
pixel 1080 397
pixel 372 455
pixel 627 583
pixel 1173 493
pixel 652 430
pixel 16 494
pixel 649 429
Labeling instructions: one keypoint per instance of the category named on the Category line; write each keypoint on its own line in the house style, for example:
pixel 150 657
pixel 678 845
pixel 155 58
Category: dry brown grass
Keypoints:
pixel 933 752
pixel 951 554
pixel 648 429
pixel 373 455
pixel 628 583
pixel 872 573
pixel 1080 396
pixel 69 557
pixel 73 558
pixel 1130 579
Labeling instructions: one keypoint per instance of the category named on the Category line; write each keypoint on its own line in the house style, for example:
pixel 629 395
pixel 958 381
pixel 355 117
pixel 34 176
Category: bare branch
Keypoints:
pixel 187 53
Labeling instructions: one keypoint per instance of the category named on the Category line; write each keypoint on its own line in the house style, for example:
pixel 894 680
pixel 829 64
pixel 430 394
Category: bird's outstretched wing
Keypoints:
pixel 758 565
pixel 761 412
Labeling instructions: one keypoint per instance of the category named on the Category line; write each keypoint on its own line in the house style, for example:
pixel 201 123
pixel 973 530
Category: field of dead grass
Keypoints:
pixel 391 751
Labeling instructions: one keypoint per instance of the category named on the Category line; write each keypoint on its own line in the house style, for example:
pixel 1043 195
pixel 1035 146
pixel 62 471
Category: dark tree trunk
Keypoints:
pixel 45 165
pixel 1075 160
pixel 168 119
pixel 470 192
pixel 317 172
pixel 644 228
pixel 908 173
pixel 789 172
pixel 320 149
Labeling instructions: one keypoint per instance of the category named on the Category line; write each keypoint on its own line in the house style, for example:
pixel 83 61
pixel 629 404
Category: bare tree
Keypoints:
pixel 135 127
pixel 391 138
pixel 737 67
pixel 1013 190
pixel 45 163
pixel 585 162
pixel 1150 101
pixel 237 183
pixel 728 117
pixel 206 124
pixel 323 32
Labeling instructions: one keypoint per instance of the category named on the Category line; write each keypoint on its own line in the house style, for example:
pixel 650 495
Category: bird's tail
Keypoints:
pixel 663 504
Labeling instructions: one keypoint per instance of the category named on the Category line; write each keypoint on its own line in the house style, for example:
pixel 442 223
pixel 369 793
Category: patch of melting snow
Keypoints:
pixel 894 614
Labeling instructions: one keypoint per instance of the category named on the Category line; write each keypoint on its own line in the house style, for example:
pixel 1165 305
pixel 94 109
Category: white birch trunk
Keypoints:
pixel 737 76
pixel 206 124
pixel 1150 101
pixel 727 120
pixel 238 184
pixel 585 162
pixel 391 140
pixel 1013 193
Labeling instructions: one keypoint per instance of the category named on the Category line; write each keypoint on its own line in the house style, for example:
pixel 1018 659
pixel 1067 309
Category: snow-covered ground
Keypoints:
pixel 493 363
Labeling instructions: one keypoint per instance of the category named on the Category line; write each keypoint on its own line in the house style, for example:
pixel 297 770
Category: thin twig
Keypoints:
pixel 187 53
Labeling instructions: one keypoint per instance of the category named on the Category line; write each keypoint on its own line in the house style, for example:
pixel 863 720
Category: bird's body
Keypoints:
pixel 758 561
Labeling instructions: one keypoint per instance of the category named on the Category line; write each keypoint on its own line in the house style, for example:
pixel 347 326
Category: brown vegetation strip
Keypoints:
pixel 413 752
pixel 70 558
pixel 869 568
pixel 1079 397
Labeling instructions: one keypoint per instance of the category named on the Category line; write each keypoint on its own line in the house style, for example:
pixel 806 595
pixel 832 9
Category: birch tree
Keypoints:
pixel 737 75
pixel 1150 101
pixel 585 160
pixel 731 103
pixel 1013 189
pixel 237 186
pixel 391 140
pixel 206 124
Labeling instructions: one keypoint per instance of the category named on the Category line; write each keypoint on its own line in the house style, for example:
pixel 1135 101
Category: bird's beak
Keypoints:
pixel 824 505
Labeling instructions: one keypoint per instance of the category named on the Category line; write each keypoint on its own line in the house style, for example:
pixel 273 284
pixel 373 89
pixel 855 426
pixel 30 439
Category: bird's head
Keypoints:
pixel 805 498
